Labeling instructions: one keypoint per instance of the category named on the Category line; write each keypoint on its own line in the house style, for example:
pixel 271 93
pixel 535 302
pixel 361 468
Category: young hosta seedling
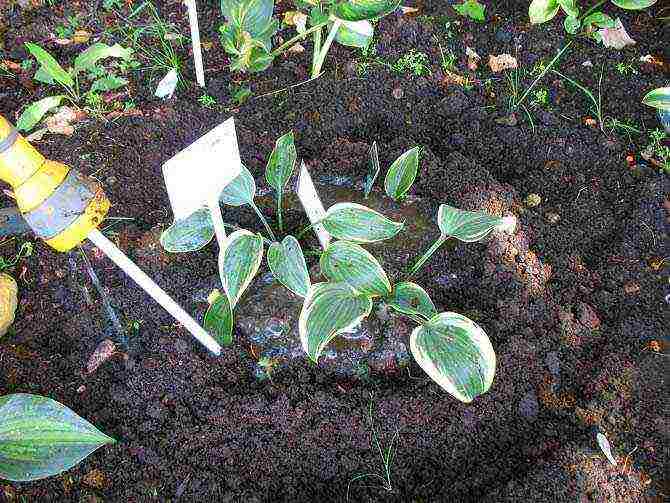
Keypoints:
pixel 239 261
pixel 402 173
pixel 40 437
pixel 219 318
pixel 410 298
pixel 287 263
pixel 280 169
pixel 346 262
pixel 358 223
pixel 189 234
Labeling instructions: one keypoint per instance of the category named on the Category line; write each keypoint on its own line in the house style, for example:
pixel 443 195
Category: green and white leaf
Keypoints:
pixel 241 191
pixel 467 226
pixel 239 260
pixel 36 111
pixel 410 298
pixel 108 83
pixel 50 65
pixel 355 33
pixel 570 7
pixel 219 319
pixel 251 16
pixel 329 309
pixel 402 173
pixel 374 169
pixel 634 4
pixel 40 437
pixel 541 11
pixel 281 162
pixel 658 98
pixel 456 353
pixel 600 19
pixel 287 263
pixel 472 9
pixel 571 24
pixel 189 234
pixel 358 223
pixel 346 262
pixel 88 58
pixel 358 10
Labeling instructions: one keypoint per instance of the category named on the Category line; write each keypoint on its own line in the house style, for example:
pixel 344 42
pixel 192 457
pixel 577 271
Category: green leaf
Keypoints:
pixel 239 261
pixel 287 263
pixel 570 7
pixel 189 234
pixel 40 437
pixel 541 11
pixel 456 353
pixel 599 19
pixel 658 98
pixel 281 162
pixel 346 262
pixel 467 226
pixel 571 24
pixel 251 16
pixel 219 319
pixel 358 223
pixel 472 9
pixel 358 10
pixel 410 298
pixel 241 190
pixel 50 65
pixel 42 75
pixel 88 58
pixel 374 169
pixel 634 4
pixel 402 173
pixel 34 113
pixel 355 33
pixel 329 309
pixel 108 83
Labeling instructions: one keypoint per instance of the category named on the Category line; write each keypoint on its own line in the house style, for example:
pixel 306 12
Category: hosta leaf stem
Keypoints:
pixel 298 38
pixel 429 253
pixel 318 63
pixel 265 222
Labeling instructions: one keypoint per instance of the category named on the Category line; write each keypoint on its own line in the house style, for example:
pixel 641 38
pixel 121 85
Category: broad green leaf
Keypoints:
pixel 259 60
pixel 329 309
pixel 358 10
pixel 410 298
pixel 467 226
pixel 249 16
pixel 108 83
pixel 599 19
pixel 472 9
pixel 570 7
pixel 658 98
pixel 456 353
pixel 287 263
pixel 241 190
pixel 281 162
pixel 42 75
pixel 88 58
pixel 40 437
pixel 571 24
pixel 355 33
pixel 358 223
pixel 34 113
pixel 402 173
pixel 219 318
pixel 189 234
pixel 634 4
pixel 374 169
pixel 541 11
pixel 50 65
pixel 346 262
pixel 239 260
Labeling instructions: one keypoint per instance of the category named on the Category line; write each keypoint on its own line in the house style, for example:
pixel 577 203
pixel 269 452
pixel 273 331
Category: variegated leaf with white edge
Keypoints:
pixel 355 33
pixel 358 10
pixel 189 234
pixel 239 261
pixel 241 190
pixel 347 262
pixel 373 170
pixel 541 11
pixel 88 58
pixel 358 223
pixel 658 98
pixel 470 226
pixel 36 111
pixel 410 298
pixel 287 263
pixel 402 173
pixel 634 4
pixel 281 162
pixel 218 319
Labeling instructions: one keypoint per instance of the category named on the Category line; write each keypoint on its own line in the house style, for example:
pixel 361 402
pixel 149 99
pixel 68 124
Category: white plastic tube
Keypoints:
pixel 158 294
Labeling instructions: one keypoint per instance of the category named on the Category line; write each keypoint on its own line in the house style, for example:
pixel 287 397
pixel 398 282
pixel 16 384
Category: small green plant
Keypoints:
pixel 657 150
pixel 84 69
pixel 240 94
pixel 207 101
pixel 26 250
pixel 40 437
pixel 625 68
pixel 413 63
pixel 541 97
pixel 472 9
pixel 447 59
pixel 67 29
pixel 660 100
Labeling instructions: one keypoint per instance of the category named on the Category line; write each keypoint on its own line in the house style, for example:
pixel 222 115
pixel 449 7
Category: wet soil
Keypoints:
pixel 575 303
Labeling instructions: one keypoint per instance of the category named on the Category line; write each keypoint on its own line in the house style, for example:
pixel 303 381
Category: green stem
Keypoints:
pixel 280 221
pixel 316 67
pixel 297 38
pixel 265 222
pixel 317 46
pixel 544 72
pixel 429 253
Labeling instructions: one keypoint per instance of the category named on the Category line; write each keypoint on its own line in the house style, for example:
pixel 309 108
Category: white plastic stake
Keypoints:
pixel 312 204
pixel 195 40
pixel 158 294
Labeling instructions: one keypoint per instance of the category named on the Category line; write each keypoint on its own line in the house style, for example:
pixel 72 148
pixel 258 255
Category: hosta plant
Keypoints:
pixel 84 71
pixel 40 437
pixel 249 27
pixel 452 349
pixel 659 98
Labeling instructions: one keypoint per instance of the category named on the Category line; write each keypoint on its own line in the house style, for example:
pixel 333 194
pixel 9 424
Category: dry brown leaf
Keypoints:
pixel 206 45
pixel 473 58
pixel 95 479
pixel 616 37
pixel 105 350
pixel 409 10
pixel 81 36
pixel 296 49
pixel 502 62
pixel 61 122
pixel 453 78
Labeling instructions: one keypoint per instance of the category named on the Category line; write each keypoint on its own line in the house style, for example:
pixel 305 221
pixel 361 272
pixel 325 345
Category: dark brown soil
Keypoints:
pixel 571 303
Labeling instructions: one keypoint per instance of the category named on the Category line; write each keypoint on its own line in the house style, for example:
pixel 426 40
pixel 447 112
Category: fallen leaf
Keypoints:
pixel 631 288
pixel 297 19
pixel 616 37
pixel 95 479
pixel 296 48
pixel 63 41
pixel 81 36
pixel 590 122
pixel 453 78
pixel 655 63
pixel 10 65
pixel 37 135
pixel 587 63
pixel 409 11
pixel 61 122
pixel 502 62
pixel 102 353
pixel 473 58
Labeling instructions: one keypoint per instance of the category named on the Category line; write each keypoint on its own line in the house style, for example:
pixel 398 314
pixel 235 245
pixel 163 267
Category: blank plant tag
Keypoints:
pixel 310 200
pixel 167 85
pixel 605 447
pixel 198 174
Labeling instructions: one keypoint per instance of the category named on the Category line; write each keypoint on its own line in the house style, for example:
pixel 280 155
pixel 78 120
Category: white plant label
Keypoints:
pixel 196 176
pixel 195 40
pixel 311 201
pixel 167 85
pixel 605 447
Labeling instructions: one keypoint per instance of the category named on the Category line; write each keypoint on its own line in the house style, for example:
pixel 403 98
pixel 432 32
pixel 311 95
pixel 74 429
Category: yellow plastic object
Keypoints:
pixel 61 206
pixel 8 301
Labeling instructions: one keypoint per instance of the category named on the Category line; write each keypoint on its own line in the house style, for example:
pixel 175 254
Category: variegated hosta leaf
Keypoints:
pixel 355 33
pixel 40 437
pixel 467 226
pixel 658 98
pixel 634 4
pixel 219 318
pixel 241 190
pixel 189 234
pixel 410 298
pixel 249 16
pixel 402 173
pixel 350 263
pixel 456 353
pixel 239 261
pixel 570 7
pixel 600 19
pixel 541 11
pixel 357 10
pixel 281 162
pixel 374 169
pixel 358 223
pixel 329 309
pixel 287 263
